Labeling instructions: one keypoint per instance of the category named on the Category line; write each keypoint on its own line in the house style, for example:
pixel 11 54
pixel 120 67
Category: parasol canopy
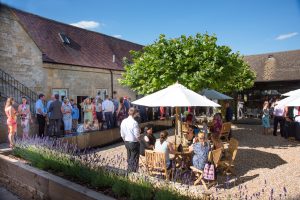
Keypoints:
pixel 292 93
pixel 213 94
pixel 175 96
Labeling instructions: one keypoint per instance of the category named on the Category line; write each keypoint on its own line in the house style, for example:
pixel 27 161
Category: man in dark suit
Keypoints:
pixel 55 117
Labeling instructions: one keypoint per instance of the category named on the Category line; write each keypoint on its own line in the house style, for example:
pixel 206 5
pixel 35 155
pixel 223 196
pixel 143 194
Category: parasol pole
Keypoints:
pixel 176 125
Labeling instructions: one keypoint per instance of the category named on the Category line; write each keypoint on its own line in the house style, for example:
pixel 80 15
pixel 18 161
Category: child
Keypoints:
pixel 95 125
pixel 75 117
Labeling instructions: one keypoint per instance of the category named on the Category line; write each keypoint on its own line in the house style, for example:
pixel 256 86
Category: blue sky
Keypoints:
pixel 248 26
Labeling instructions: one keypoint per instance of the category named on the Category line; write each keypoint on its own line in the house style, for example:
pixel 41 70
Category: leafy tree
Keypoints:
pixel 195 61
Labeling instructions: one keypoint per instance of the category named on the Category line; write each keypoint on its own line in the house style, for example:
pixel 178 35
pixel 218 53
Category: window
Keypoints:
pixel 101 93
pixel 61 92
pixel 64 38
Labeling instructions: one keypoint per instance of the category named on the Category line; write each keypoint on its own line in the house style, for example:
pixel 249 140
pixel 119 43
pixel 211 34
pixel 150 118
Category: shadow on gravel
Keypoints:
pixel 252 137
pixel 247 160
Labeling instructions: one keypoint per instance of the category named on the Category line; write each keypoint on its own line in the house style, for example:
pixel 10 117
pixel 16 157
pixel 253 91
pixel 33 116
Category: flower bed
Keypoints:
pixel 65 160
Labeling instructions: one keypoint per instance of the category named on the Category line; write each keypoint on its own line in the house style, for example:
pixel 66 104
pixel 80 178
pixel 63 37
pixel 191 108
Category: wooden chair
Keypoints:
pixel 214 156
pixel 230 155
pixel 233 144
pixel 156 163
pixel 225 130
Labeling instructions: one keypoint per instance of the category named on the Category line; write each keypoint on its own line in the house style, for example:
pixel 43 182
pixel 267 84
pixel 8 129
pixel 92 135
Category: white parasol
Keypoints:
pixel 175 96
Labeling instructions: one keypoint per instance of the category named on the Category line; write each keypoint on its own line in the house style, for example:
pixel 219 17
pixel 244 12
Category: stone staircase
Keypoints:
pixel 10 87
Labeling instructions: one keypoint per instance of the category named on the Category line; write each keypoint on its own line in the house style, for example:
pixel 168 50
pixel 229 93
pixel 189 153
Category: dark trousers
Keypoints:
pixel 54 127
pixel 115 124
pixel 133 154
pixel 109 119
pixel 42 122
pixel 280 120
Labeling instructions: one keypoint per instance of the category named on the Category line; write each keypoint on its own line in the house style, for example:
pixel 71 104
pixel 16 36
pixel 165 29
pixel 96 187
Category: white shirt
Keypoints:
pixel 98 107
pixel 130 130
pixel 296 114
pixel 279 111
pixel 108 106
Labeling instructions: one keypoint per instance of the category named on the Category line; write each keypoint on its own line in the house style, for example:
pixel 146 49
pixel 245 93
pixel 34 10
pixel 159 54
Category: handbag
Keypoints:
pixel 209 172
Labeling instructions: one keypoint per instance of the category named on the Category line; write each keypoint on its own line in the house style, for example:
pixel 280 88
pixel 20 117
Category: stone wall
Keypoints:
pixel 31 183
pixel 19 55
pixel 82 81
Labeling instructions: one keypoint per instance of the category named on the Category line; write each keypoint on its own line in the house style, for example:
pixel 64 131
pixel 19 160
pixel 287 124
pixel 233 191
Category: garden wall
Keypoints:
pixel 102 138
pixel 31 183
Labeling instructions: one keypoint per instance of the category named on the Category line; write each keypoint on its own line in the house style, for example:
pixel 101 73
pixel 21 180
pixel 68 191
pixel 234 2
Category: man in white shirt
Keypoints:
pixel 130 133
pixel 108 110
pixel 278 118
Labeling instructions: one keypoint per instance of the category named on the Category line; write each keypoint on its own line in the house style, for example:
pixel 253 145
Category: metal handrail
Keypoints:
pixel 10 87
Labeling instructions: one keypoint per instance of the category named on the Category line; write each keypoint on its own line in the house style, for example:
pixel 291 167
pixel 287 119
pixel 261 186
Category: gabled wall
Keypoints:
pixel 19 55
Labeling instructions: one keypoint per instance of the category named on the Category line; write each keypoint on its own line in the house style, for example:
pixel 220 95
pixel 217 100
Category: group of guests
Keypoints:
pixel 12 111
pixel 136 143
pixel 55 113
pixel 95 112
pixel 281 115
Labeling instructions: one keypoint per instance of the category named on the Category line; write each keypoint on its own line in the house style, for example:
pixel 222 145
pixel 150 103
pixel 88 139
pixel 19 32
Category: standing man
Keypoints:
pixel 278 118
pixel 116 107
pixel 228 116
pixel 55 116
pixel 108 109
pixel 49 103
pixel 41 112
pixel 130 133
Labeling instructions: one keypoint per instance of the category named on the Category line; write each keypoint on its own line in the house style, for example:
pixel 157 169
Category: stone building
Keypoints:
pixel 51 57
pixel 276 73
pixel 39 55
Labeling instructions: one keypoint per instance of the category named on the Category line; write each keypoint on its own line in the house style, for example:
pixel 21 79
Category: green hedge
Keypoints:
pixel 97 178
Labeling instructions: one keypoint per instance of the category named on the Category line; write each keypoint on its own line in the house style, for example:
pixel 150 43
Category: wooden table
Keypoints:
pixel 182 160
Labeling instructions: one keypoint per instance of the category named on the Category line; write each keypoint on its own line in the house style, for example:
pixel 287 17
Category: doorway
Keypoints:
pixel 80 99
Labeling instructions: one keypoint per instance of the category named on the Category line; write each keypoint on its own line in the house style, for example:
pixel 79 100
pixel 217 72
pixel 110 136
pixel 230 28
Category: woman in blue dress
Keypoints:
pixel 201 150
pixel 266 118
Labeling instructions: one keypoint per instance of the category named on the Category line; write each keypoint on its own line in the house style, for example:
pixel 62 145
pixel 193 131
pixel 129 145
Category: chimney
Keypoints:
pixel 114 58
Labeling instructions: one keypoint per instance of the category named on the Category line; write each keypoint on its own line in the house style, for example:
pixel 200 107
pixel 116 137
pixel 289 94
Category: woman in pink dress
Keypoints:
pixel 11 115
pixel 217 125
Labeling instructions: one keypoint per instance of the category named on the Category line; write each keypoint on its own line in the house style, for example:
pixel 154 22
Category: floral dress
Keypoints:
pixel 200 154
pixel 88 115
pixel 25 118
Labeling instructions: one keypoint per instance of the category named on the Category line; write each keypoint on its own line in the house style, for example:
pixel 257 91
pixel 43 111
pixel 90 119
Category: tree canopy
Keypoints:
pixel 197 62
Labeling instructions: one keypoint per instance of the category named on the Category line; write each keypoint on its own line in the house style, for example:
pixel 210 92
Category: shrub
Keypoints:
pixel 165 194
pixel 141 191
pixel 120 188
pixel 83 168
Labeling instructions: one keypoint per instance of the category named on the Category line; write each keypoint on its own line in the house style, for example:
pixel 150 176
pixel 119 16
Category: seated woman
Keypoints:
pixel 201 149
pixel 87 126
pixel 165 147
pixel 217 125
pixel 189 136
pixel 148 140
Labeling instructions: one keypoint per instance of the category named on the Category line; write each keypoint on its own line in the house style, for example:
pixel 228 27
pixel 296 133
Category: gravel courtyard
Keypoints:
pixel 266 166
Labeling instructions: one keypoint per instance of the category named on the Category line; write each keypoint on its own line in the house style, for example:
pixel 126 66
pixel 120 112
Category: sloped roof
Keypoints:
pixel 277 66
pixel 86 48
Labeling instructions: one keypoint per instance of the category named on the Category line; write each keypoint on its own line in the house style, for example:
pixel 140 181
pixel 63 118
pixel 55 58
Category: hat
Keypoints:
pixel 66 99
